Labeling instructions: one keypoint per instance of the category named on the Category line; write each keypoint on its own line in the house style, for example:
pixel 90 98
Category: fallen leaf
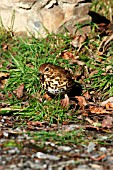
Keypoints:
pixel 46 96
pixel 99 158
pixel 93 73
pixel 97 110
pixel 65 101
pixel 3 75
pixel 81 63
pixel 3 79
pixel 68 55
pixel 91 147
pixel 107 122
pixel 5 47
pixel 92 127
pixel 107 103
pixel 65 122
pixel 81 101
pixel 1 96
pixel 87 95
pixel 19 91
pixel 89 120
pixel 36 123
pixel 77 42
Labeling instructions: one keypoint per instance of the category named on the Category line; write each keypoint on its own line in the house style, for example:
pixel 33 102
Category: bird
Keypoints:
pixel 56 80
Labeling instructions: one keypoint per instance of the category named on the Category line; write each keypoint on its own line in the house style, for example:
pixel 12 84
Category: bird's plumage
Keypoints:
pixel 55 79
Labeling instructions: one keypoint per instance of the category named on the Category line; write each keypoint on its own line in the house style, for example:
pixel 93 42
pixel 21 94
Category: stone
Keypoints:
pixel 55 15
pixel 38 17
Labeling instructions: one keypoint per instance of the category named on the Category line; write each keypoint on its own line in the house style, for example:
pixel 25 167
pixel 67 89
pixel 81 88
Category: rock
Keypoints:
pixel 52 18
pixel 46 156
pixel 35 17
pixel 64 148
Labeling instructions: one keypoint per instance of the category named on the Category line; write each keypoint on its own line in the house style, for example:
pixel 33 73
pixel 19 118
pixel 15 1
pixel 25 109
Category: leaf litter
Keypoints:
pixel 71 143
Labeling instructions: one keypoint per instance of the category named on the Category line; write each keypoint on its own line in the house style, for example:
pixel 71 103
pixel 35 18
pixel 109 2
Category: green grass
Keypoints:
pixel 21 59
pixel 67 138
pixel 23 56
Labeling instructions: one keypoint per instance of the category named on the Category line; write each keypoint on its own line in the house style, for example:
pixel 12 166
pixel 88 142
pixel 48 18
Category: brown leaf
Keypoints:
pixel 5 47
pixel 2 75
pixel 97 110
pixel 93 73
pixel 81 101
pixel 92 127
pixel 3 79
pixel 46 96
pixel 87 95
pixel 19 91
pixel 108 103
pixel 65 123
pixel 99 158
pixel 67 55
pixel 65 101
pixel 78 41
pixel 36 123
pixel 107 122
pixel 89 120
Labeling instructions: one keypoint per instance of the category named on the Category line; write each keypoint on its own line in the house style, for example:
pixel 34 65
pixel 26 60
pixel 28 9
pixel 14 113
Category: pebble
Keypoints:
pixel 96 167
pixel 110 159
pixel 64 148
pixel 14 150
pixel 83 167
pixel 103 149
pixel 5 134
pixel 46 156
pixel 91 147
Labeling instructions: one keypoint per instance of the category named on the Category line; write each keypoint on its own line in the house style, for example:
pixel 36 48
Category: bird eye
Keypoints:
pixel 47 69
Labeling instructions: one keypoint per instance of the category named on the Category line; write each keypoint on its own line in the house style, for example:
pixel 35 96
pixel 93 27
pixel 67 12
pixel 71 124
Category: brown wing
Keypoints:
pixel 66 77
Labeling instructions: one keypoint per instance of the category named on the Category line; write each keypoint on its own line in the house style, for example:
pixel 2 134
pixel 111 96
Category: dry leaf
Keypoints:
pixel 19 91
pixel 109 105
pixel 99 158
pixel 36 123
pixel 107 122
pixel 92 127
pixel 110 100
pixel 46 96
pixel 65 101
pixel 78 41
pixel 2 75
pixel 93 73
pixel 81 101
pixel 87 95
pixel 67 55
pixel 5 47
pixel 97 110
pixel 89 120
pixel 3 79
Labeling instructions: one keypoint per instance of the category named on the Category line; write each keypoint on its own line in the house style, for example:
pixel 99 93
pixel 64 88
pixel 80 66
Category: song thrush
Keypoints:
pixel 56 80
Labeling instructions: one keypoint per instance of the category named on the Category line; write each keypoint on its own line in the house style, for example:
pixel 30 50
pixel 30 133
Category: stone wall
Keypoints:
pixel 37 17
